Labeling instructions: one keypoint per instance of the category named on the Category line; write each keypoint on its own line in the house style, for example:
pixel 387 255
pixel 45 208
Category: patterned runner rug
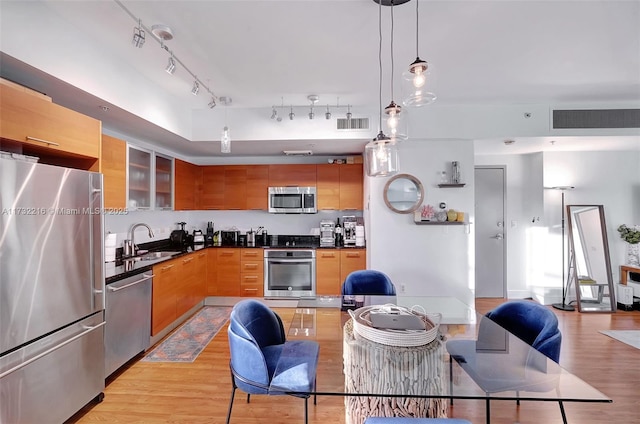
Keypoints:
pixel 188 340
pixel 630 337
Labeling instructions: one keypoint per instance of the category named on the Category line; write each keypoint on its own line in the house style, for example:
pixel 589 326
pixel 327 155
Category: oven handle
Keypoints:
pixel 290 261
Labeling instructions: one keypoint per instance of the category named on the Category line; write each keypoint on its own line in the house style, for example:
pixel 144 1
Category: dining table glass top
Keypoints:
pixel 351 364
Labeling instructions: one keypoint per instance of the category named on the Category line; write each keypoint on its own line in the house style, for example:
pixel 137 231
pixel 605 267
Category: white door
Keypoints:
pixel 490 231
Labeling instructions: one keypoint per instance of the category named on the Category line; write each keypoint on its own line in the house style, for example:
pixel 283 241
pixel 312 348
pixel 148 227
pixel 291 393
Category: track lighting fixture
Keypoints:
pixel 138 35
pixel 313 99
pixel 196 88
pixel 171 66
pixel 416 77
pixel 212 103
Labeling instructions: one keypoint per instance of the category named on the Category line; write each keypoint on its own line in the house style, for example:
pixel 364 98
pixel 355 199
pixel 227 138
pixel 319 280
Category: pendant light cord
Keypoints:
pixel 391 49
pixel 417 26
pixel 380 65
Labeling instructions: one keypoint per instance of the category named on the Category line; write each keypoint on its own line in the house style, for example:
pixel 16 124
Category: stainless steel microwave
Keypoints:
pixel 292 200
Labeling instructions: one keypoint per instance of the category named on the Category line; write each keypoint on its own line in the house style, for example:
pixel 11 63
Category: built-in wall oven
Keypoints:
pixel 289 273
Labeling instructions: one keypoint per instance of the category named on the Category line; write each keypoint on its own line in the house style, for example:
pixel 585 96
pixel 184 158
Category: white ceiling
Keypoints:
pixel 261 53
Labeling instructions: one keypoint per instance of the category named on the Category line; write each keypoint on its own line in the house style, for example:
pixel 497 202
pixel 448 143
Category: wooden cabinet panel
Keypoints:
pixel 212 272
pixel 292 175
pixel 47 127
pixel 328 186
pixel 200 284
pixel 114 168
pixel 328 280
pixel 185 283
pixel 228 272
pixel 235 187
pixel 163 304
pixel 213 187
pixel 258 187
pixel 252 272
pixel 351 187
pixel 163 182
pixel 187 183
pixel 352 260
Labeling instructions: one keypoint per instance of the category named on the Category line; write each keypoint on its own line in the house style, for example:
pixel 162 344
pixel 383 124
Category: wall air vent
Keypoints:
pixel 297 152
pixel 352 124
pixel 596 118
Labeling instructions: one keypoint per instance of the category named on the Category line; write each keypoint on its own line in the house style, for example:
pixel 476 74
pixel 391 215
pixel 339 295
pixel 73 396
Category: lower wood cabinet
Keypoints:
pixel 163 295
pixel 251 272
pixel 227 272
pixel 333 266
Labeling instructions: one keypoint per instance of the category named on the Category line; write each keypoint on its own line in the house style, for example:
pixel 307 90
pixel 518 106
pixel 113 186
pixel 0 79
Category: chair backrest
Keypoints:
pixel 368 281
pixel 253 328
pixel 532 322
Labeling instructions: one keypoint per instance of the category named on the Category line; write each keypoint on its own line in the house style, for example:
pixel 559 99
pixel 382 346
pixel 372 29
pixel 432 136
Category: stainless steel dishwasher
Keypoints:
pixel 128 320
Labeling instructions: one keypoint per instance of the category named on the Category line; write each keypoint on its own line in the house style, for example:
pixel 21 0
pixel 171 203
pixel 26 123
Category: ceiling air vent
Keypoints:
pixel 352 124
pixel 297 152
pixel 596 118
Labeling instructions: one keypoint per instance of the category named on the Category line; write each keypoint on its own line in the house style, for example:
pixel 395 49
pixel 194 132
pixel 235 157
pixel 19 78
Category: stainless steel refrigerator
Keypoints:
pixel 51 291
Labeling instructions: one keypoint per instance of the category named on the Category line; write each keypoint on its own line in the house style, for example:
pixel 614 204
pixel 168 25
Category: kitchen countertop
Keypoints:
pixel 115 271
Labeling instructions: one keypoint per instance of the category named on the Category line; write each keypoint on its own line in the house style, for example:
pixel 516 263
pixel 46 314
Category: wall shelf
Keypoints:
pixel 451 185
pixel 439 222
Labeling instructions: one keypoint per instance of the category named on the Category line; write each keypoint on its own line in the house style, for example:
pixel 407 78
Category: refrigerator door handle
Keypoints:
pixel 53 349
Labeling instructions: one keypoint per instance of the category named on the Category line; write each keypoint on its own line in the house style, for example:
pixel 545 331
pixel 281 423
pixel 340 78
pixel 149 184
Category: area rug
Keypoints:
pixel 630 337
pixel 188 340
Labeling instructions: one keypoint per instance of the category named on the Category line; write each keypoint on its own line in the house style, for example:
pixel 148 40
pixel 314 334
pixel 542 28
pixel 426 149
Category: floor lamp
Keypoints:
pixel 563 306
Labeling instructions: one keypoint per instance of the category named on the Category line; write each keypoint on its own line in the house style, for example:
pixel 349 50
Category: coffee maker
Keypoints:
pixel 349 225
pixel 327 228
pixel 208 238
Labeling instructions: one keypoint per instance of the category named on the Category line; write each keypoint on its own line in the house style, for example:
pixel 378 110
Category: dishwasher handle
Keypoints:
pixel 115 289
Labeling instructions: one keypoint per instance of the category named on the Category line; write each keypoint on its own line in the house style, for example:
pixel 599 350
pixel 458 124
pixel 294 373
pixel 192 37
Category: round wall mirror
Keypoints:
pixel 403 193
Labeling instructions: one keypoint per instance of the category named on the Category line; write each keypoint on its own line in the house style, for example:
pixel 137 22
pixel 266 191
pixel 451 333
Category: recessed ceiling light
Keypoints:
pixel 104 108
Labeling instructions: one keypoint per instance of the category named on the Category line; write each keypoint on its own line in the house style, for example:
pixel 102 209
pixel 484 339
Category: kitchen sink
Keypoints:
pixel 156 255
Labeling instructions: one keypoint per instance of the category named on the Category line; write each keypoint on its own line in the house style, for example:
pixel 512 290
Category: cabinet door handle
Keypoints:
pixel 328 255
pixel 39 140
pixel 186 261
pixel 165 268
pixel 353 255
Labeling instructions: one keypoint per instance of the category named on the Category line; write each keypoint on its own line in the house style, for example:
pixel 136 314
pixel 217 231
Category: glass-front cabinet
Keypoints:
pixel 164 182
pixel 149 180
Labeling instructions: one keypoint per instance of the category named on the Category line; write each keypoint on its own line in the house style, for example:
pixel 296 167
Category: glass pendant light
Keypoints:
pixel 225 140
pixel 395 123
pixel 416 77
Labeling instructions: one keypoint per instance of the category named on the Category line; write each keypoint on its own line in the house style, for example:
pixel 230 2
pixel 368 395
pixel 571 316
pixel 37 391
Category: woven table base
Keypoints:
pixel 370 367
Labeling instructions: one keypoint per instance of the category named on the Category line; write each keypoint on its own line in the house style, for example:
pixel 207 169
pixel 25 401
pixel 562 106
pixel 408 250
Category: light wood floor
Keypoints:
pixel 198 392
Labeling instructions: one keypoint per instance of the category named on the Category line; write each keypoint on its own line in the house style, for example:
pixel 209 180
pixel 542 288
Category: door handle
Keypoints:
pixel 498 236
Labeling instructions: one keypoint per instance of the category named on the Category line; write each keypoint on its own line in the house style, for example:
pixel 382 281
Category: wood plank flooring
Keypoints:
pixel 198 392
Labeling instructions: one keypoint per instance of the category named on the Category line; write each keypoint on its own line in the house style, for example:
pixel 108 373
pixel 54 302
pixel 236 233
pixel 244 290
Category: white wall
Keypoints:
pixel 426 260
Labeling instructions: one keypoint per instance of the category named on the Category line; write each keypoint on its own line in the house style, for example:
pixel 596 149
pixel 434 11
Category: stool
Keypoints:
pixel 402 420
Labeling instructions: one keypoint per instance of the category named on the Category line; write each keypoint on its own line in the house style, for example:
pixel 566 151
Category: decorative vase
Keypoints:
pixel 633 254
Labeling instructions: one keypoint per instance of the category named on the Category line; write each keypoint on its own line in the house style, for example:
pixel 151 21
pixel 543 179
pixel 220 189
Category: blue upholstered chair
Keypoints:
pixel 368 281
pixel 532 322
pixel 402 420
pixel 256 343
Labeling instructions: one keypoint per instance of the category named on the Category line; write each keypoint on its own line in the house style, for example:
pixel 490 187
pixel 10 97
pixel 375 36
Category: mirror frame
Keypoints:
pixel 583 305
pixel 419 191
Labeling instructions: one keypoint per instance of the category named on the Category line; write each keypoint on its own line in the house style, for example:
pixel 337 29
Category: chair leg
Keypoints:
pixel 451 378
pixel 306 410
pixel 488 408
pixel 248 397
pixel 315 397
pixel 233 392
pixel 564 416
pixel 518 397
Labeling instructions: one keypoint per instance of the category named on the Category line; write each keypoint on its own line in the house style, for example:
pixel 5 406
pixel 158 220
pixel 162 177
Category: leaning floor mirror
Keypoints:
pixel 589 262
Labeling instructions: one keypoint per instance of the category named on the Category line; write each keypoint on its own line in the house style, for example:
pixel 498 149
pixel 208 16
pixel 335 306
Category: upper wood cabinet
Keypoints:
pixel 235 187
pixel 45 128
pixel 292 175
pixel 351 186
pixel 188 179
pixel 212 187
pixel 163 182
pixel 258 187
pixel 114 168
pixel 340 187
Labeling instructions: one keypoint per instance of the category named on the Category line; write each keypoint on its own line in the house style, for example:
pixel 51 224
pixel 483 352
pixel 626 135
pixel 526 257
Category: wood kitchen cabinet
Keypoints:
pixel 163 181
pixel 252 272
pixel 339 187
pixel 188 179
pixel 42 128
pixel 257 187
pixel 235 187
pixel 163 298
pixel 212 272
pixel 213 187
pixel 227 272
pixel 200 285
pixel 185 284
pixel 328 280
pixel 292 175
pixel 352 260
pixel 114 169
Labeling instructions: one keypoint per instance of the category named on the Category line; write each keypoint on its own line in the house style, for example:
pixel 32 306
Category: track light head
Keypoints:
pixel 212 103
pixel 171 66
pixel 138 36
pixel 311 114
pixel 196 88
pixel 291 114
pixel 274 113
pixel 327 114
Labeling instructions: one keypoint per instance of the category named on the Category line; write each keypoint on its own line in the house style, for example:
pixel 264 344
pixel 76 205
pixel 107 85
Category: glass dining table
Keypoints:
pixel 383 372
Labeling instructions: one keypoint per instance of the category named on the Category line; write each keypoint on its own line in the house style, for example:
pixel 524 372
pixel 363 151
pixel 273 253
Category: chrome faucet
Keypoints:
pixel 130 247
